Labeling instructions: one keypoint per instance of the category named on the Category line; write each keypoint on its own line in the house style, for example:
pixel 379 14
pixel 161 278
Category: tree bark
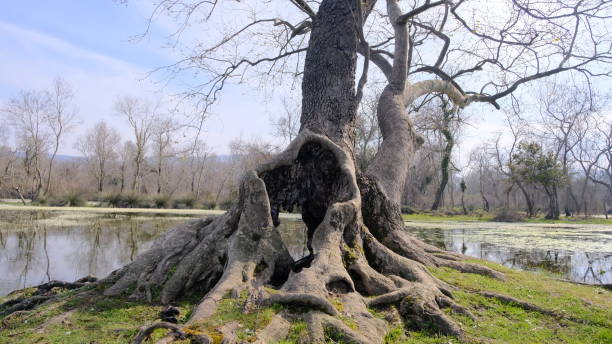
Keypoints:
pixel 553 203
pixel 528 200
pixel 446 157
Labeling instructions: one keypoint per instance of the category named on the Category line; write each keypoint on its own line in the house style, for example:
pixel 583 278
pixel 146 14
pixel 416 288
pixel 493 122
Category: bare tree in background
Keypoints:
pixel 197 166
pixel 141 117
pixel 60 117
pixel 27 114
pixel 481 164
pixel 100 147
pixel 367 137
pixel 163 141
pixel 287 125
pixel 447 125
pixel 518 130
pixel 562 109
pixel 8 160
pixel 594 154
pixel 127 155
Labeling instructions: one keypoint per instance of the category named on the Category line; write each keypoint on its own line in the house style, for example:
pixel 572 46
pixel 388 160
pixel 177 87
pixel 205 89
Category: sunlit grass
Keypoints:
pixel 95 318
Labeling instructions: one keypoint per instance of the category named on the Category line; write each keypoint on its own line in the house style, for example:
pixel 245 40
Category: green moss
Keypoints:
pixel 297 333
pixel 337 303
pixel 231 309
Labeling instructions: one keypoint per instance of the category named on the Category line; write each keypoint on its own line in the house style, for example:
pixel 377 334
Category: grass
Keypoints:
pixel 231 310
pixel 424 217
pixel 97 319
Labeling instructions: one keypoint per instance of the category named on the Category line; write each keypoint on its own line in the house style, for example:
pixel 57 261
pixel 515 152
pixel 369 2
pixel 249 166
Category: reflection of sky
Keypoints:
pixel 577 254
pixel 95 248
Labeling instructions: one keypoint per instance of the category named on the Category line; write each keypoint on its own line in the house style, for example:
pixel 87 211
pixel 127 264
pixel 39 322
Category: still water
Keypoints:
pixel 38 246
pixel 581 253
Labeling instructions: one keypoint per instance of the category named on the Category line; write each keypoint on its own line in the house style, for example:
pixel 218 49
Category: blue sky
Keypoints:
pixel 88 43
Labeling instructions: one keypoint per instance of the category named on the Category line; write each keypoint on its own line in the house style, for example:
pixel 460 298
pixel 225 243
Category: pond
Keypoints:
pixel 581 253
pixel 37 246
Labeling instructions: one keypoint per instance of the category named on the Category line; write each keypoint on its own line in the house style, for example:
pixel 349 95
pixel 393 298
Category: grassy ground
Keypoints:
pixel 489 217
pixel 90 318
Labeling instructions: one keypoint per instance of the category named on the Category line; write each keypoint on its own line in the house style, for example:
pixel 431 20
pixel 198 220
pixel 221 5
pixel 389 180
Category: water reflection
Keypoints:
pixel 36 247
pixel 531 250
pixel 35 250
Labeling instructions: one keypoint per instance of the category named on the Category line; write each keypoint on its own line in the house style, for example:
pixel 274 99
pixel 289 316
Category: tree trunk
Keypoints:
pixel 137 164
pixel 485 201
pixel 444 166
pixel 528 200
pixel 553 203
pixel 358 251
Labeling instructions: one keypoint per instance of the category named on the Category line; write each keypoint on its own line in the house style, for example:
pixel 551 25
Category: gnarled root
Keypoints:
pixel 355 251
pixel 44 293
pixel 176 333
pixel 525 305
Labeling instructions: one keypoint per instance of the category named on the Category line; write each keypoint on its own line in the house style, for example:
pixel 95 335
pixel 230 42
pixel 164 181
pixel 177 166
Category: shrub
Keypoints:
pixel 132 200
pixel 128 200
pixel 40 201
pixel 209 205
pixel 112 199
pixel 161 201
pixel 187 202
pixel 69 199
pixel 506 215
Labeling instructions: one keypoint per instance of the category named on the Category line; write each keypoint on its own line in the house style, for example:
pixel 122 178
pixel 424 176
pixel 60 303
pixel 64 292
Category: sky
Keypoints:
pixel 91 45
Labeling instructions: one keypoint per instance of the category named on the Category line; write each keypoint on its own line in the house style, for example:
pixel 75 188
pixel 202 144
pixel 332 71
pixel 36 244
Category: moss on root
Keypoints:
pixel 586 314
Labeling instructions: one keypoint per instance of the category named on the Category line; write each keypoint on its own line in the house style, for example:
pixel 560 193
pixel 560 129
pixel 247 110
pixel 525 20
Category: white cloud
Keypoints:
pixel 31 60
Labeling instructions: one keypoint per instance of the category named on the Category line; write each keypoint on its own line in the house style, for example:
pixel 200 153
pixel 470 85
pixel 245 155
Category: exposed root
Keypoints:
pixel 176 333
pixel 275 331
pixel 44 293
pixel 302 299
pixel 355 251
pixel 46 287
pixel 419 303
pixel 525 305
pixel 322 326
pixel 24 303
pixel 472 268
pixel 5 320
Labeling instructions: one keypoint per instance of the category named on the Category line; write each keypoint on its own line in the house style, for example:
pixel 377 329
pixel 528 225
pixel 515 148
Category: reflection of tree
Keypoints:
pixel 590 270
pixel 133 243
pixel 46 253
pixel 95 247
pixel 26 245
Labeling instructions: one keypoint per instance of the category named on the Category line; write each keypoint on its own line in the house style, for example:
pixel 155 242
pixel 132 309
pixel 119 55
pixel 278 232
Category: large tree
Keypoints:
pixel 359 253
